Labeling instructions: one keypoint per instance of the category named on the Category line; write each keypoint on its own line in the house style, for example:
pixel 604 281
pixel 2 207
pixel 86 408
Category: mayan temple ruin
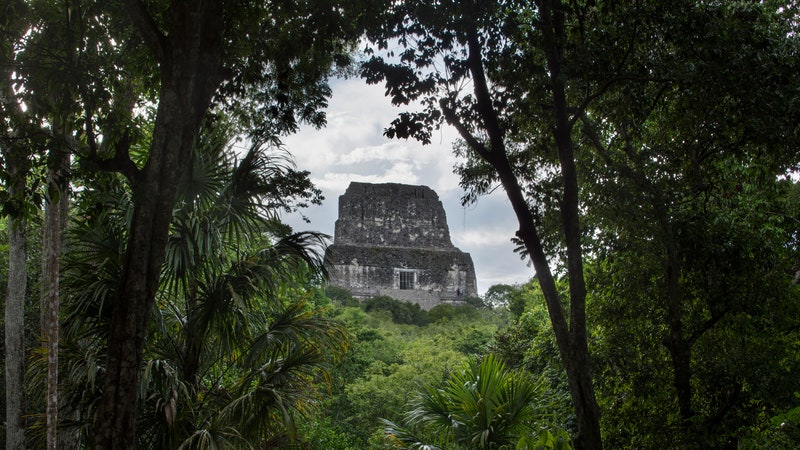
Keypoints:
pixel 392 239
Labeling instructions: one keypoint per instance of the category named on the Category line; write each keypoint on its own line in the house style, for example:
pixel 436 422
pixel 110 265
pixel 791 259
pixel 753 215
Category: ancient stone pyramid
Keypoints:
pixel 392 239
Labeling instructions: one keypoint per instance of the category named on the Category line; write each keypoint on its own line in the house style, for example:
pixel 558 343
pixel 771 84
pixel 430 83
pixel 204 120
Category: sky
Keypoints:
pixel 352 147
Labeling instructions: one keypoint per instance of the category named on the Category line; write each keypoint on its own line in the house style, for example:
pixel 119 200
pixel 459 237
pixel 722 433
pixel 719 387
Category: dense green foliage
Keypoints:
pixel 649 149
pixel 748 406
pixel 388 361
pixel 235 347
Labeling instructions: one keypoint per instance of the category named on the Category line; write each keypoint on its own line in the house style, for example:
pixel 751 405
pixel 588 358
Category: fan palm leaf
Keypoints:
pixel 93 264
pixel 484 405
pixel 234 351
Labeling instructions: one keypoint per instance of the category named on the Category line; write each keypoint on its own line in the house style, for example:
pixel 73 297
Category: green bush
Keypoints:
pixel 401 312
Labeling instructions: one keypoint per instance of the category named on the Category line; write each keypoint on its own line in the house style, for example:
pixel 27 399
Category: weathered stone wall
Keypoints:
pixel 391 215
pixel 392 239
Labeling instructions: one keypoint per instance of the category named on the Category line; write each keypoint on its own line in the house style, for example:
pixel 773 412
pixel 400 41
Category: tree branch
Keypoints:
pixel 120 162
pixel 472 141
pixel 707 325
pixel 153 37
pixel 482 97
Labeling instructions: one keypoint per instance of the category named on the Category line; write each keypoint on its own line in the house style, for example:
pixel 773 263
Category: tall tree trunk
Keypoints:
pixel 193 349
pixel 17 165
pixel 571 337
pixel 190 58
pixel 153 198
pixel 56 201
pixel 15 333
pixel 576 352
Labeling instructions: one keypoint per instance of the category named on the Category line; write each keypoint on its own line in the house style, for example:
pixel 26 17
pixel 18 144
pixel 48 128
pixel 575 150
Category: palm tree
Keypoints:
pixel 235 348
pixel 483 405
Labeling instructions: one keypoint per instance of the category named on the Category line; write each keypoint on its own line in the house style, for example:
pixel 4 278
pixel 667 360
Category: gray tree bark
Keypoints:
pixel 56 202
pixel 15 332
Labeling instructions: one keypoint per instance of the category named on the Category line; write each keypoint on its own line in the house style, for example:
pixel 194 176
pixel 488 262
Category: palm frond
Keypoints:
pixel 92 271
pixel 212 437
pixel 164 396
pixel 194 246
pixel 209 168
pixel 402 438
pixel 271 396
pixel 297 324
pixel 483 405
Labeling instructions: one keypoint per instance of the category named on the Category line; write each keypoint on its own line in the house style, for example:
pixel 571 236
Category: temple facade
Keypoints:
pixel 392 239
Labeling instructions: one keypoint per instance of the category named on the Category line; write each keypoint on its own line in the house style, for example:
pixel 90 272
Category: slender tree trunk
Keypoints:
pixel 679 347
pixel 194 345
pixel 17 167
pixel 56 201
pixel 15 333
pixel 575 350
pixel 190 58
pixel 571 338
pixel 49 309
pixel 681 356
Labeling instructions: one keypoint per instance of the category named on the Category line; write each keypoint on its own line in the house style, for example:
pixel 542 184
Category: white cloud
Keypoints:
pixel 491 238
pixel 389 151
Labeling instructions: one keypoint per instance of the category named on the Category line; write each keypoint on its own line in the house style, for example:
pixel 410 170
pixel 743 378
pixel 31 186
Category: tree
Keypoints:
pixel 14 315
pixel 487 44
pixel 55 217
pixel 265 62
pixel 40 113
pixel 41 67
pixel 16 147
pixel 695 171
pixel 734 331
pixel 400 311
pixel 498 295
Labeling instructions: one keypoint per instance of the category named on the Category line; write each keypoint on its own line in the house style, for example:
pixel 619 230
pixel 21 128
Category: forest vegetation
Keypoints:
pixel 153 298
